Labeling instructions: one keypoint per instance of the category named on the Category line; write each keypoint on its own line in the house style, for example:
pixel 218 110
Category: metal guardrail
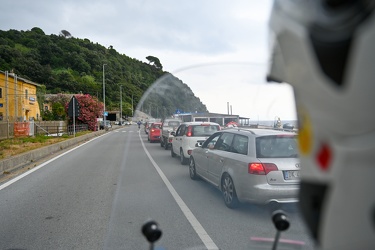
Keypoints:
pixel 78 128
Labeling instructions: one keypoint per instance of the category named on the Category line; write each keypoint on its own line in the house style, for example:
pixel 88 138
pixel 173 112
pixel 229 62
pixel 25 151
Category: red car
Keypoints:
pixel 154 132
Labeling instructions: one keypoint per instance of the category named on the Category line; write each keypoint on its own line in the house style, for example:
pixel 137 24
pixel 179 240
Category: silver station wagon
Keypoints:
pixel 249 165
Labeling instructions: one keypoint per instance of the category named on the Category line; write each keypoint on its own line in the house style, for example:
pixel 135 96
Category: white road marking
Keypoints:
pixel 203 235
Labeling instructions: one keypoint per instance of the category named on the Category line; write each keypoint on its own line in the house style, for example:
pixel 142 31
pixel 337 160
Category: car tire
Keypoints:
pixel 229 192
pixel 173 154
pixel 161 142
pixel 192 170
pixel 166 144
pixel 183 160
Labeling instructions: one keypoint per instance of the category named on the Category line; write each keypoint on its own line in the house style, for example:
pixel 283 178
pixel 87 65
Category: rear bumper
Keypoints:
pixel 265 193
pixel 154 138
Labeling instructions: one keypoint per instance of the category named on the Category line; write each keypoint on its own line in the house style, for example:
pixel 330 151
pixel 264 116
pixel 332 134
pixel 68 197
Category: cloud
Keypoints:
pixel 181 34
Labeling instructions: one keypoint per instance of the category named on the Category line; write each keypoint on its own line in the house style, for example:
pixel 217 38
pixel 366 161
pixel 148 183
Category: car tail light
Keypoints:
pixel 261 168
pixel 152 130
pixel 189 132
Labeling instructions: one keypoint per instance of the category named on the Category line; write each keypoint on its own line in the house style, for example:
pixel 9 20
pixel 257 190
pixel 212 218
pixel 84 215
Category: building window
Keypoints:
pixel 26 94
pixel 46 108
pixel 1 92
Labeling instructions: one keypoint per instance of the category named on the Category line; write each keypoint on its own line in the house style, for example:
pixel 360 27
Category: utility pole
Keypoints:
pixel 132 107
pixel 104 124
pixel 6 96
pixel 15 97
pixel 120 104
pixel 6 102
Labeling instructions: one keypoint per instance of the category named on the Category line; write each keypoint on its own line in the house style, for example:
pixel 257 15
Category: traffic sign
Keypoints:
pixel 73 109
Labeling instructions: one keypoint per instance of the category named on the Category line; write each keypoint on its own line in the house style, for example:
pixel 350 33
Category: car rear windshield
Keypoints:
pixel 157 126
pixel 277 146
pixel 204 130
pixel 173 124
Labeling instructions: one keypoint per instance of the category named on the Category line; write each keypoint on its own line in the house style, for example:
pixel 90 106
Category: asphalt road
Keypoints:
pixel 98 195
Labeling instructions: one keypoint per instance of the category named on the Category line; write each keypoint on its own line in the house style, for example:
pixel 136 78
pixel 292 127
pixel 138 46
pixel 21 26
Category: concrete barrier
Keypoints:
pixel 17 161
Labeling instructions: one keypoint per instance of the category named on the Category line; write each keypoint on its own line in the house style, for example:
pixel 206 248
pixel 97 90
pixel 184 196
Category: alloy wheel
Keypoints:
pixel 229 192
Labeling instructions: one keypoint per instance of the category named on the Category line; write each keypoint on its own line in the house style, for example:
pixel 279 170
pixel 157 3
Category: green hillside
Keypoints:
pixel 64 64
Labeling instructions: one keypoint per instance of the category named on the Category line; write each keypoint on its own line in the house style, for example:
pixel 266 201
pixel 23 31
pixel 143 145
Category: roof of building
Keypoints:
pixel 13 75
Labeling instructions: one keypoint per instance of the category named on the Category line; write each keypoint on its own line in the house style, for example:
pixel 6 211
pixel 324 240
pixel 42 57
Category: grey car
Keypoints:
pixel 249 165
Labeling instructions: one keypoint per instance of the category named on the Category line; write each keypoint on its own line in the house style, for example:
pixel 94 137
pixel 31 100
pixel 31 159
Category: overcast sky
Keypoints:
pixel 217 47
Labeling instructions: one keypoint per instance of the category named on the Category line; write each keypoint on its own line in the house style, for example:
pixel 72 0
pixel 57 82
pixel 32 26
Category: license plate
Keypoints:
pixel 291 175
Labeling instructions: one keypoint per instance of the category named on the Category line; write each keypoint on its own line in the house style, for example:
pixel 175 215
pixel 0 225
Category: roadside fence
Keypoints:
pixel 30 128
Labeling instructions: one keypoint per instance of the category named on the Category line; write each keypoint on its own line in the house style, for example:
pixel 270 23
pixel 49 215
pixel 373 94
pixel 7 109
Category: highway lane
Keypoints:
pixel 98 195
pixel 228 228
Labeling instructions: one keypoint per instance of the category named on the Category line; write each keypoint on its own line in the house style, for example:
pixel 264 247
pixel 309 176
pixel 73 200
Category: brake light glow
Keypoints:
pixel 189 132
pixel 324 157
pixel 261 168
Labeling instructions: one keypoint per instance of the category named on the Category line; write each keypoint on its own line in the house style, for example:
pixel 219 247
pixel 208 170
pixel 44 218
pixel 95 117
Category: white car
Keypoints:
pixel 187 135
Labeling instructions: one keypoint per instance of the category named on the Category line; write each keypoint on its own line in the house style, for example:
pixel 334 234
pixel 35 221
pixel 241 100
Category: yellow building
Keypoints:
pixel 18 100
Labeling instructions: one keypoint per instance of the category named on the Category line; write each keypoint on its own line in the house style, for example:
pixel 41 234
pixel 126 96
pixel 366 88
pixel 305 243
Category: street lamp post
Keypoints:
pixel 120 104
pixel 104 124
pixel 132 107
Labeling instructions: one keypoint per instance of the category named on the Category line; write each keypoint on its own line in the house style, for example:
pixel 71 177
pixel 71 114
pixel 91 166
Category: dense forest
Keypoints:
pixel 64 64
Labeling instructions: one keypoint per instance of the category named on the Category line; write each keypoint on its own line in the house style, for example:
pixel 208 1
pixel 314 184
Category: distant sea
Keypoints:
pixel 271 122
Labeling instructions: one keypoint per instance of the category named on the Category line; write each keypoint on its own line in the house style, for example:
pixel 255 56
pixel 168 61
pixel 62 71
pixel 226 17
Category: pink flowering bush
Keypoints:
pixel 90 110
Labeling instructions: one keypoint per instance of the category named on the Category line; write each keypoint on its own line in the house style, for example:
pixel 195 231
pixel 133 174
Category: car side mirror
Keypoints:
pixel 198 144
pixel 173 133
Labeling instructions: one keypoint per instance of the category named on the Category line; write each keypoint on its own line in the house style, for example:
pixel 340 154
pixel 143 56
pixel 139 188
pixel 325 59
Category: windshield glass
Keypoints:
pixel 276 147
pixel 206 130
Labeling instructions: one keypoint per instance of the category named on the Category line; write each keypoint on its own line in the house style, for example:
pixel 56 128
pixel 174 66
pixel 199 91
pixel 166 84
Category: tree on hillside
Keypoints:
pixel 38 31
pixel 65 34
pixel 155 62
pixel 76 66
